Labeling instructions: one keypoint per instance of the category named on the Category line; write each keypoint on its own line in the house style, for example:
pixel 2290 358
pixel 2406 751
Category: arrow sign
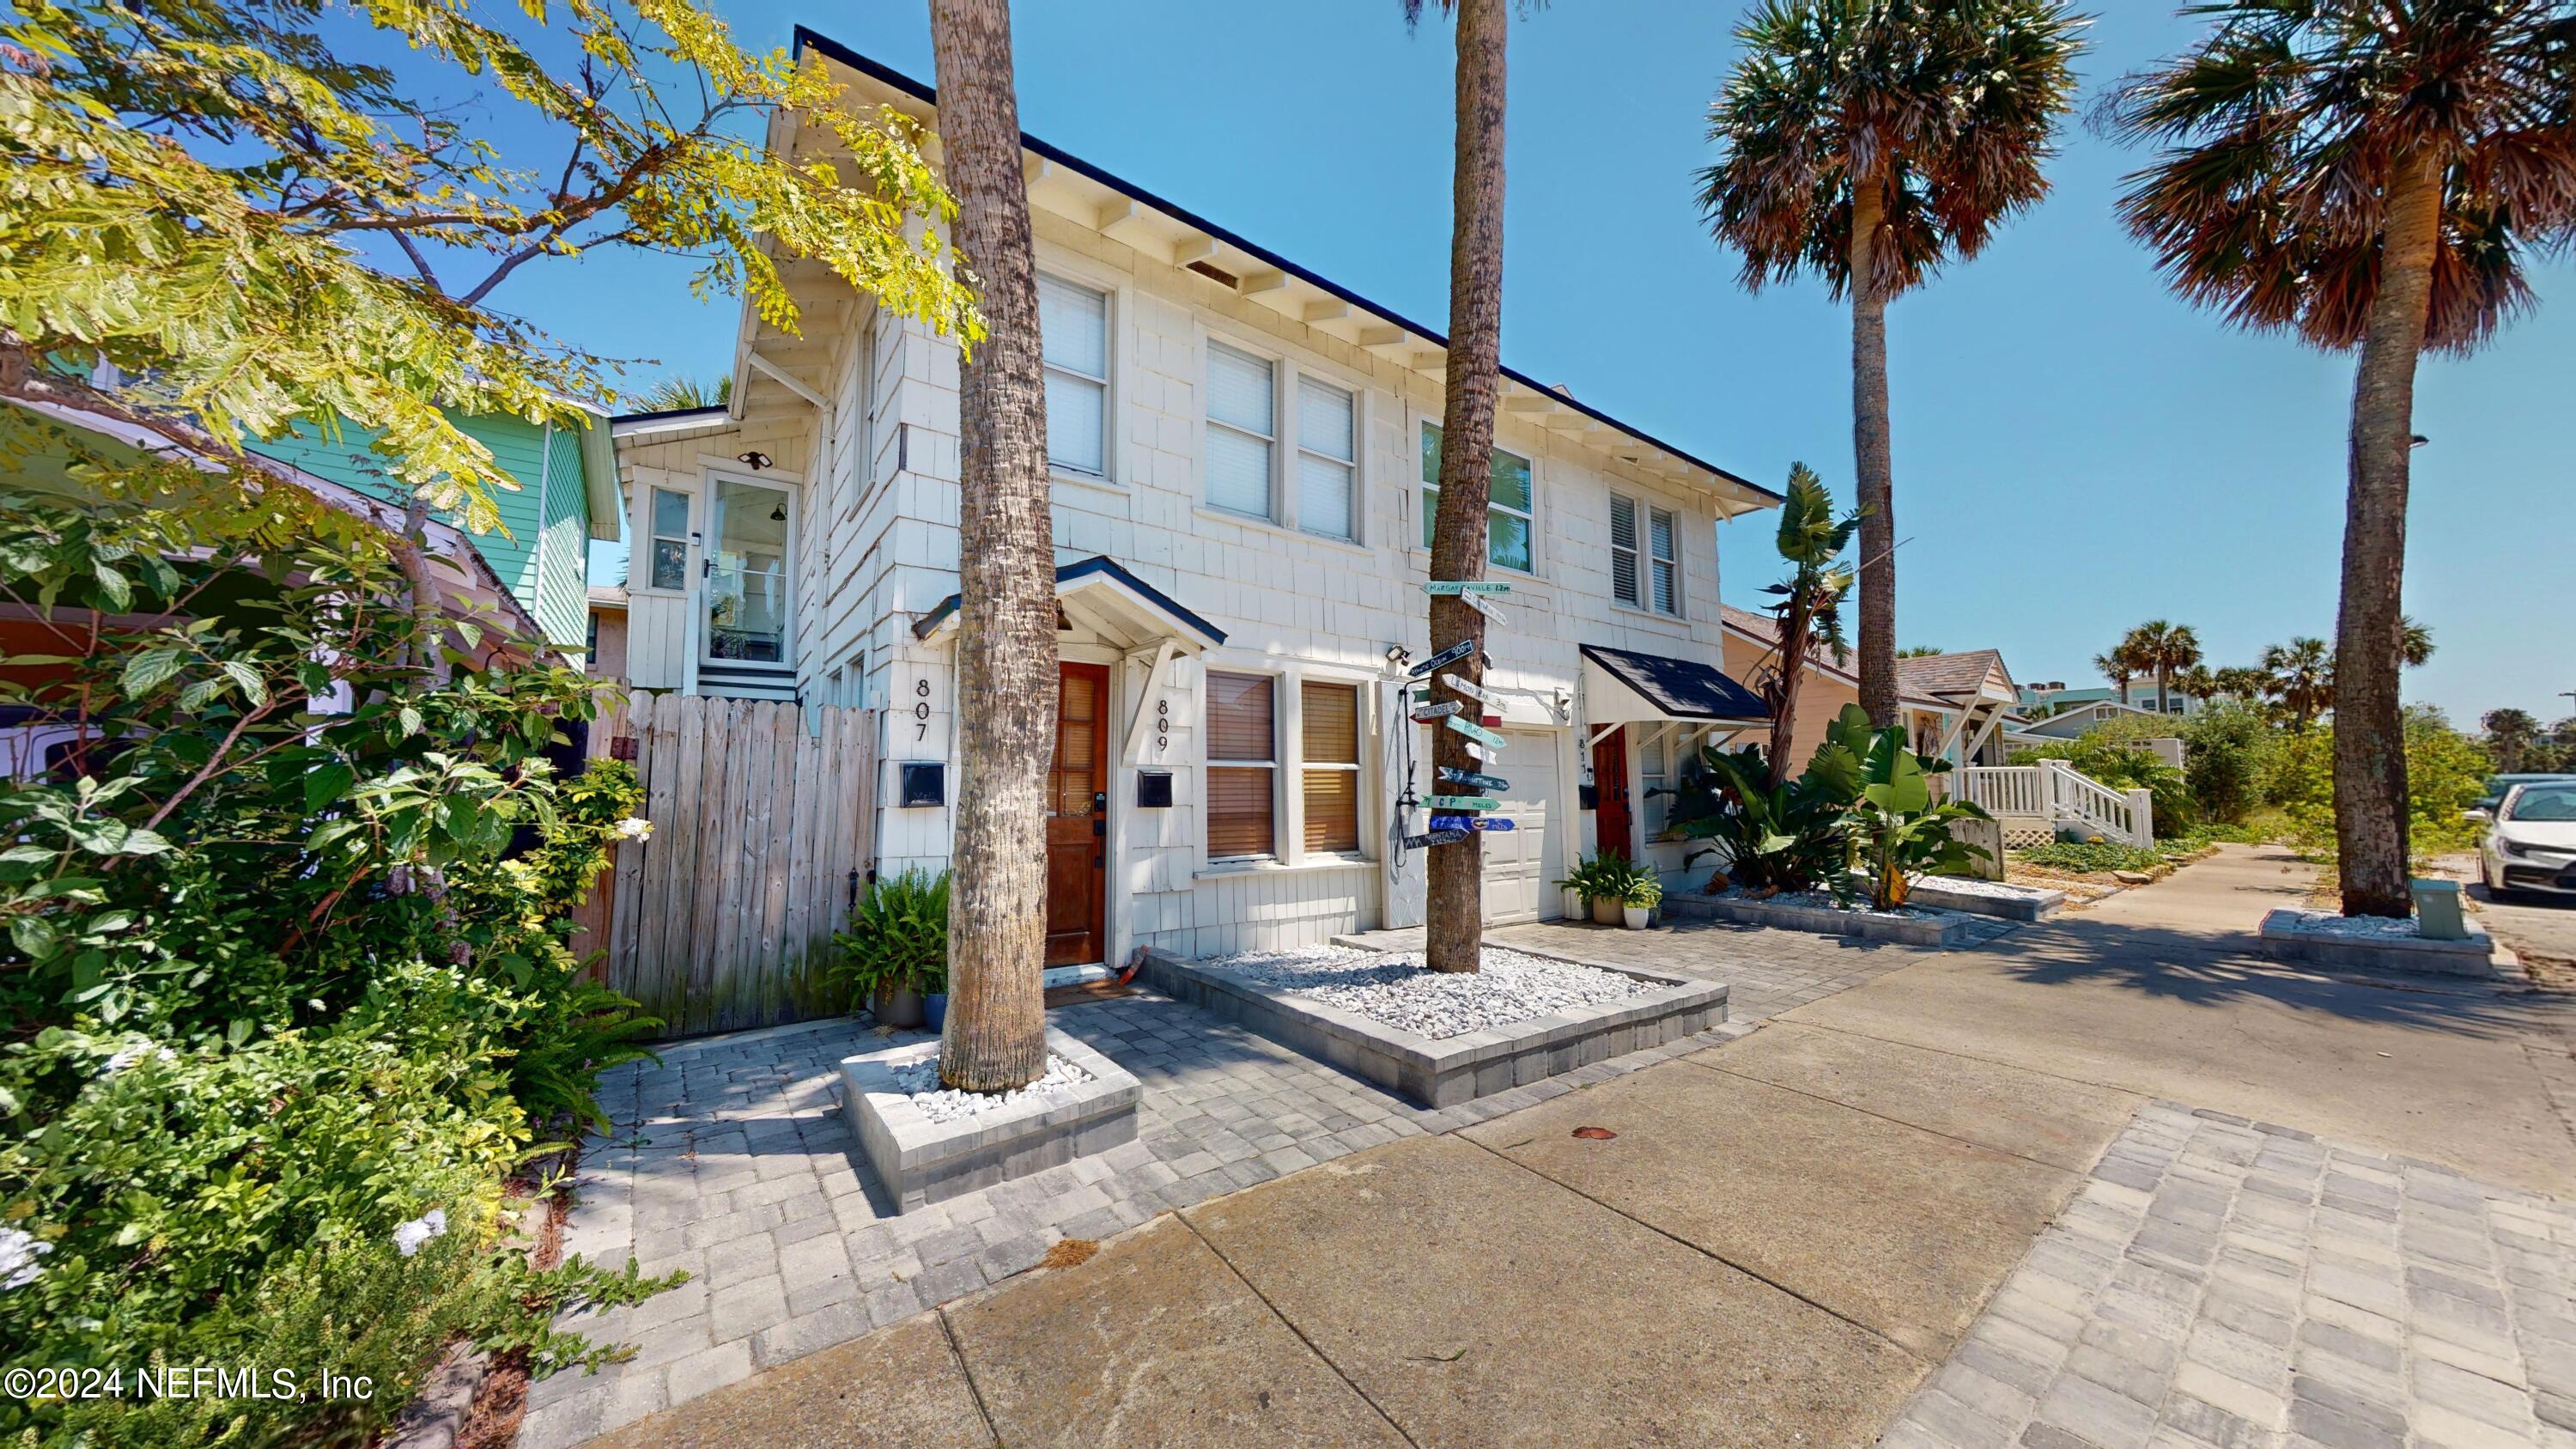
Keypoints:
pixel 1478 733
pixel 1437 837
pixel 1468 688
pixel 1465 802
pixel 1450 655
pixel 1473 780
pixel 1477 602
pixel 1426 713
pixel 1476 751
pixel 1446 586
pixel 1471 822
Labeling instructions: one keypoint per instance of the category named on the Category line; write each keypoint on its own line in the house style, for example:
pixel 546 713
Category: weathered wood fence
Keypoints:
pixel 724 918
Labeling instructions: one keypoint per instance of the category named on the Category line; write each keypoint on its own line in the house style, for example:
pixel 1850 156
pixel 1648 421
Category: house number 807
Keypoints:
pixel 921 710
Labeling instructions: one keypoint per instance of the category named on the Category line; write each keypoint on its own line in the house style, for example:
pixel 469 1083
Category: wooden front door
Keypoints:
pixel 1610 827
pixel 1077 841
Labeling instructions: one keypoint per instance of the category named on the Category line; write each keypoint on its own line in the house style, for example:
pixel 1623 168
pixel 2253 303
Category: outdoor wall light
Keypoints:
pixel 1397 656
pixel 755 460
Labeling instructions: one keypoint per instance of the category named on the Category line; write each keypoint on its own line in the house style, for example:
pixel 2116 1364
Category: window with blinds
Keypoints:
pixel 1242 430
pixel 1243 765
pixel 1510 505
pixel 1327 454
pixel 1073 337
pixel 1329 765
pixel 1645 573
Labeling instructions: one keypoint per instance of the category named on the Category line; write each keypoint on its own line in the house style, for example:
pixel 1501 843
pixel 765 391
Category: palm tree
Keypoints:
pixel 2119 665
pixel 2510 735
pixel 2196 681
pixel 2303 677
pixel 2238 681
pixel 1454 889
pixel 1921 651
pixel 2414 642
pixel 1868 142
pixel 1811 541
pixel 2161 648
pixel 679 392
pixel 2370 174
pixel 995 1037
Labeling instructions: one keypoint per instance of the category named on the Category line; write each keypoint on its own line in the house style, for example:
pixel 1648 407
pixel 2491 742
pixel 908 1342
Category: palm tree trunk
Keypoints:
pixel 2369 736
pixel 995 1038
pixel 1454 901
pixel 1871 449
pixel 1793 669
pixel 2164 704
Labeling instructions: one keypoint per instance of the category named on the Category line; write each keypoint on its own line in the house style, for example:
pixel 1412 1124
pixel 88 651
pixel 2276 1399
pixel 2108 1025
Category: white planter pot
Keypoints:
pixel 1635 916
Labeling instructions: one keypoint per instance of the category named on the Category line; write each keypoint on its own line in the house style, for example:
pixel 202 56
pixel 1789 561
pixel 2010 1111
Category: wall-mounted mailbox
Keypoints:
pixel 1153 789
pixel 1588 797
pixel 925 782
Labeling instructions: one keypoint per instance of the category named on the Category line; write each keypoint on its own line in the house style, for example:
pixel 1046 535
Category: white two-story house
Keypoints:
pixel 1243 458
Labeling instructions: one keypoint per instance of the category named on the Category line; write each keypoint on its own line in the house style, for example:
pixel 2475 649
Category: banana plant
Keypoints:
pixel 1895 830
pixel 1768 836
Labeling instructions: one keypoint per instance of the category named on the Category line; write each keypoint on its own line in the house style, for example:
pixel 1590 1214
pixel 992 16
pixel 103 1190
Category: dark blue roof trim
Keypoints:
pixel 1105 567
pixel 1681 688
pixel 805 36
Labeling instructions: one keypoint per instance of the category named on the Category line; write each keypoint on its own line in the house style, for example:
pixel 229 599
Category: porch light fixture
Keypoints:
pixel 1397 656
pixel 755 460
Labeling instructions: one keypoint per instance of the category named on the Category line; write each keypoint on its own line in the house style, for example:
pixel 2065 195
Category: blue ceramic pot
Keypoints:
pixel 934 1007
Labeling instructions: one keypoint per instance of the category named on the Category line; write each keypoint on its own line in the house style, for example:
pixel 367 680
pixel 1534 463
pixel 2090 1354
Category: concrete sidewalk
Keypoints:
pixel 1941 1201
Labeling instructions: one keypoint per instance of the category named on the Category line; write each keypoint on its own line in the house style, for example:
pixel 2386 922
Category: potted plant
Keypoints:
pixel 1644 894
pixel 897 947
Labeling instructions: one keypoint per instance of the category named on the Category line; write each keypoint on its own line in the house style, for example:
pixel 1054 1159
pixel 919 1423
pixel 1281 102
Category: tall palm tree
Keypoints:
pixel 2119 664
pixel 2243 682
pixel 2510 735
pixel 995 1037
pixel 2370 174
pixel 2414 641
pixel 2163 648
pixel 1868 142
pixel 1454 887
pixel 2196 681
pixel 2303 677
pixel 678 392
pixel 1811 541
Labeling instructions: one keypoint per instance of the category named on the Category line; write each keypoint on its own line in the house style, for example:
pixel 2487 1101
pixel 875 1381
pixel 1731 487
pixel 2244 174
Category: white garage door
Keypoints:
pixel 1520 864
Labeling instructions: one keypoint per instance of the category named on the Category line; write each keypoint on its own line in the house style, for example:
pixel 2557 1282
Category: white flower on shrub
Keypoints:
pixel 132 1052
pixel 409 1236
pixel 19 1251
pixel 634 827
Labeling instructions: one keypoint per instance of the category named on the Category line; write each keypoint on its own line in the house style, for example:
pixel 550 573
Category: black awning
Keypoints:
pixel 1681 688
pixel 1101 572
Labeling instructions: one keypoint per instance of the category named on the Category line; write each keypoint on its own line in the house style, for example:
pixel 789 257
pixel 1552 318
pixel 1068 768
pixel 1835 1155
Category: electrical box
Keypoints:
pixel 925 782
pixel 1153 789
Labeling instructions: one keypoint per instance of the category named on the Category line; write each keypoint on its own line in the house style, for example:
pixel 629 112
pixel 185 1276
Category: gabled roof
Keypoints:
pixel 1680 688
pixel 1764 630
pixel 1159 611
pixel 1749 494
pixel 1950 675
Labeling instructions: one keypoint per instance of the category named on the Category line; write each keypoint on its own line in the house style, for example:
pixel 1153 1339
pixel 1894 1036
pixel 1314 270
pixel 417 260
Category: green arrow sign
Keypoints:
pixel 1446 586
pixel 1465 802
pixel 1478 733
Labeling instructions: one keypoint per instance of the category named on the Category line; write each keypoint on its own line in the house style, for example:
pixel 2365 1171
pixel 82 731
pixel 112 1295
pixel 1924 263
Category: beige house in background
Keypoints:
pixel 1954 704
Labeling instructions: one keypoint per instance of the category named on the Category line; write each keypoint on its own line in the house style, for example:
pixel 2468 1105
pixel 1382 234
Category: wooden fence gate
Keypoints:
pixel 724 918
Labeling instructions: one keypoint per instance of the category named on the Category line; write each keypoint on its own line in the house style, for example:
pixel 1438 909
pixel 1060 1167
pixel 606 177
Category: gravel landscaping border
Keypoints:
pixel 1446 1071
pixel 1995 898
pixel 2327 938
pixel 923 1160
pixel 1913 926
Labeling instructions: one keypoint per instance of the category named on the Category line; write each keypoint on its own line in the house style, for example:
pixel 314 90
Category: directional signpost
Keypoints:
pixel 1470 822
pixel 1450 655
pixel 1474 781
pixel 1482 744
pixel 1436 837
pixel 1483 605
pixel 1426 713
pixel 1465 802
pixel 1477 733
pixel 1468 688
pixel 1441 586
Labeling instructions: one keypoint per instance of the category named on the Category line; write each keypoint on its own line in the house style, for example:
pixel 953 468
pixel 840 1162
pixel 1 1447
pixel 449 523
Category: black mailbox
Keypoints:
pixel 1153 789
pixel 1587 797
pixel 925 782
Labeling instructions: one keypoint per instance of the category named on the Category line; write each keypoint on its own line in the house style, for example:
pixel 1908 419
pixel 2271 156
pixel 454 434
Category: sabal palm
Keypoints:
pixel 2369 174
pixel 680 392
pixel 2118 665
pixel 1811 542
pixel 2238 681
pixel 1868 142
pixel 2164 648
pixel 2303 676
pixel 2414 641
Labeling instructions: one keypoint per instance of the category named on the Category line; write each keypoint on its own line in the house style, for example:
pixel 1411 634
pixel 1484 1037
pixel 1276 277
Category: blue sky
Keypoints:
pixel 2076 450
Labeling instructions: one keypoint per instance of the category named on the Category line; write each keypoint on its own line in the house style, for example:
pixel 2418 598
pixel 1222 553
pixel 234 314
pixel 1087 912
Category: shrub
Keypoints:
pixel 2228 754
pixel 2445 775
pixel 2088 857
pixel 2124 767
pixel 898 936
pixel 1765 836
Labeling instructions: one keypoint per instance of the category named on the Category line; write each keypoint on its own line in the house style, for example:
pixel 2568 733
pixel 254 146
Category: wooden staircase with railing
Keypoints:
pixel 2035 802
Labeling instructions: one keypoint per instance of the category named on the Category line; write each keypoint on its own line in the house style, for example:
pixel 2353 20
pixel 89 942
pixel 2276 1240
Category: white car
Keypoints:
pixel 2532 844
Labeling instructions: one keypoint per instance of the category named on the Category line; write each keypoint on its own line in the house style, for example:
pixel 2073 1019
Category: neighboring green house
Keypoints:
pixel 567 496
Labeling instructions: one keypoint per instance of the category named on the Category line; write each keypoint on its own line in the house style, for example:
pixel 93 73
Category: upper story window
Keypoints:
pixel 1507 512
pixel 1073 334
pixel 1329 764
pixel 1242 431
pixel 670 568
pixel 1644 571
pixel 1243 765
pixel 1327 459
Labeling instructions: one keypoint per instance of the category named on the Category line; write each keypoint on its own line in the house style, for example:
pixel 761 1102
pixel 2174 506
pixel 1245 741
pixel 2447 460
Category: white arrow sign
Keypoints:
pixel 1482 605
pixel 1473 691
pixel 1479 752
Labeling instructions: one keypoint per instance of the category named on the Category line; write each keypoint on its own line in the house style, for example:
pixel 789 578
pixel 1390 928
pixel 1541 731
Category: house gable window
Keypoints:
pixel 670 528
pixel 1645 571
pixel 1243 765
pixel 1073 335
pixel 1327 459
pixel 1242 430
pixel 1329 765
pixel 1508 511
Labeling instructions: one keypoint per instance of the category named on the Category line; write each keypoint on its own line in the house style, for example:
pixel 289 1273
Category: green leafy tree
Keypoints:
pixel 254 230
pixel 2227 756
pixel 2510 734
pixel 1894 828
pixel 1869 142
pixel 2372 177
pixel 2240 682
pixel 1811 541
pixel 680 392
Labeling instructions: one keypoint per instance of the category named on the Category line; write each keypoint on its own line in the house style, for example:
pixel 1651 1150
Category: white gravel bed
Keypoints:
pixel 1824 901
pixel 920 1082
pixel 1392 987
pixel 1973 886
pixel 2334 923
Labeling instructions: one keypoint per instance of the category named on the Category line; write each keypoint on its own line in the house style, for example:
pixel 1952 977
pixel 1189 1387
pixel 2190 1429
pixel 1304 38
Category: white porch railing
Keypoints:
pixel 2058 793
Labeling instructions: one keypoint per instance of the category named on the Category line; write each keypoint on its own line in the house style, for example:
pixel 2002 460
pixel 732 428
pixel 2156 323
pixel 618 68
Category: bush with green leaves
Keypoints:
pixel 2086 857
pixel 287 920
pixel 898 937
pixel 2228 751
pixel 2124 766
pixel 1895 829
pixel 2446 774
pixel 1765 837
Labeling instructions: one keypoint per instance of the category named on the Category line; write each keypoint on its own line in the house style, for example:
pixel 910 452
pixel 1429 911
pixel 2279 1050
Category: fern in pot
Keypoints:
pixel 894 956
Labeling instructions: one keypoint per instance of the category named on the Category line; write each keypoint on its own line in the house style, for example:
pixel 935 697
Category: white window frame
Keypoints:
pixel 1296 393
pixel 1283 844
pixel 1109 313
pixel 1643 512
pixel 1359 775
pixel 790 593
pixel 687 538
pixel 1280 371
pixel 1426 498
pixel 1670 559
